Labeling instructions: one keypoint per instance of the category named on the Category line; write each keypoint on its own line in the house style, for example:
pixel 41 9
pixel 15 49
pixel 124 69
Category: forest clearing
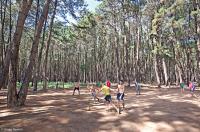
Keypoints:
pixel 100 65
pixel 57 110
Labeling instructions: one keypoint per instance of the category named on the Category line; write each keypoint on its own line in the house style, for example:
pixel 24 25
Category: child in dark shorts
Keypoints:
pixel 120 93
pixel 77 87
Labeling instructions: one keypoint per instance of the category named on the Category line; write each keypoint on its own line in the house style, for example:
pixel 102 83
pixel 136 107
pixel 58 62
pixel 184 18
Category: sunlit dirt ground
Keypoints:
pixel 164 110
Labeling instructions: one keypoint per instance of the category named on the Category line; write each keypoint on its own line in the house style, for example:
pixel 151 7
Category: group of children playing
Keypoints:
pixel 106 90
pixel 191 87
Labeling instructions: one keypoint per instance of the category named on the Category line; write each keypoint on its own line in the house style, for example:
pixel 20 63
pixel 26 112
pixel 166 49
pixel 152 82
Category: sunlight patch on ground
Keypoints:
pixel 52 94
pixel 130 126
pixel 35 109
pixel 160 113
pixel 171 97
pixel 95 107
pixel 32 95
pixel 144 113
pixel 182 98
pixel 6 113
pixel 15 122
pixel 178 123
pixel 164 126
pixel 47 102
pixel 182 126
pixel 145 118
pixel 196 102
pixel 79 110
pixel 185 128
pixel 156 127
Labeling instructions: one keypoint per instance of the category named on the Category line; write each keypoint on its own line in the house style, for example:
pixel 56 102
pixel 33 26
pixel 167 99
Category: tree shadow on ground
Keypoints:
pixel 60 111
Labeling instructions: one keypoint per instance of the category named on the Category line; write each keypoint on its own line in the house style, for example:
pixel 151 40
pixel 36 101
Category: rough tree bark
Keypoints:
pixel 3 72
pixel 35 76
pixel 48 45
pixel 38 65
pixel 197 32
pixel 34 51
pixel 13 54
pixel 165 71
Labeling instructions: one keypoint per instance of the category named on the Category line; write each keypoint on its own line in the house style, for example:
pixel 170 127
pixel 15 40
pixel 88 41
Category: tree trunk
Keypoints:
pixel 48 45
pixel 13 51
pixel 35 75
pixel 156 70
pixel 165 71
pixel 34 51
pixel 3 70
pixel 197 32
pixel 177 74
pixel 156 63
pixel 38 66
pixel 2 32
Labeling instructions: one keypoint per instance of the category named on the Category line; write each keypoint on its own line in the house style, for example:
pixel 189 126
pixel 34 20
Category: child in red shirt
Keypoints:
pixel 108 83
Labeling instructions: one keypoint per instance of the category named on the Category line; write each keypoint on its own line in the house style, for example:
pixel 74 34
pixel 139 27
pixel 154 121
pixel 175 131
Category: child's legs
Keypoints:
pixel 118 96
pixel 108 101
pixel 138 89
pixel 94 96
pixel 182 90
pixel 122 100
pixel 123 104
pixel 78 91
pixel 118 103
pixel 192 91
pixel 76 88
pixel 107 105
pixel 118 99
pixel 74 91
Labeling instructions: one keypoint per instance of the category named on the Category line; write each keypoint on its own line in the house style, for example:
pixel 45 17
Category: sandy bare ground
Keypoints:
pixel 59 111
